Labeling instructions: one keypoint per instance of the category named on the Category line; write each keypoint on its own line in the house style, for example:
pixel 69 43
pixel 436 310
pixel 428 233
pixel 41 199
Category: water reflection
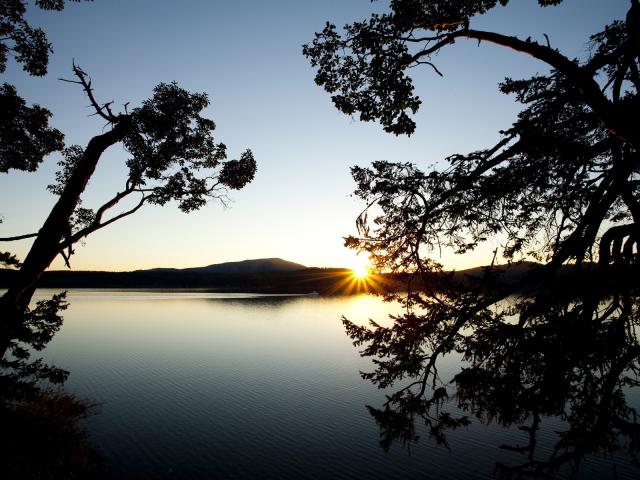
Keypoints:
pixel 40 421
pixel 199 385
pixel 560 368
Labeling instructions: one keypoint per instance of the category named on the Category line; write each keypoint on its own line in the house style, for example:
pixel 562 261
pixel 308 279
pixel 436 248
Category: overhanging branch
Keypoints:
pixel 588 89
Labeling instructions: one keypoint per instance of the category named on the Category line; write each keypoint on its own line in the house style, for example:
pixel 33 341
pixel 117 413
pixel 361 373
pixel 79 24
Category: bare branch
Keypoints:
pixel 435 69
pixel 97 226
pixel 110 204
pixel 70 81
pixel 18 237
pixel 124 214
pixel 85 81
pixel 66 259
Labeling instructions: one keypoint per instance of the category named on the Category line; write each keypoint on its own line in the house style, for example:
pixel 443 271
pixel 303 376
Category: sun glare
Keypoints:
pixel 358 277
pixel 360 267
pixel 360 271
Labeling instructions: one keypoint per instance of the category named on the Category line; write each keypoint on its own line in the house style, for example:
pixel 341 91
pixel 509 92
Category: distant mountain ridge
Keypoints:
pixel 258 265
pixel 275 275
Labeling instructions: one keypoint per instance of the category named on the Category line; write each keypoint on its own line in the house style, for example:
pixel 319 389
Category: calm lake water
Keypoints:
pixel 199 385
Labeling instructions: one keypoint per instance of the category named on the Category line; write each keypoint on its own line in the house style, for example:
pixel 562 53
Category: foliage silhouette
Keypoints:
pixel 559 186
pixel 47 439
pixel 173 157
pixel 550 364
pixel 25 135
pixel 40 418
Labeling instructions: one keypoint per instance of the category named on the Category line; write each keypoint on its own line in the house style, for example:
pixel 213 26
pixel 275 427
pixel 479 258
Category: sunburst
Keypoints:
pixel 360 268
pixel 360 271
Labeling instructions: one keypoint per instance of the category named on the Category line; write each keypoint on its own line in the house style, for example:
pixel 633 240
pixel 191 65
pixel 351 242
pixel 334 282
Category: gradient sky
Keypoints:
pixel 246 54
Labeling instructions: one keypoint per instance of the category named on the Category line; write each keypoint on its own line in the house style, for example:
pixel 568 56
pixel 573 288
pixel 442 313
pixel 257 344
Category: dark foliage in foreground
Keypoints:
pixel 560 186
pixel 47 439
pixel 42 421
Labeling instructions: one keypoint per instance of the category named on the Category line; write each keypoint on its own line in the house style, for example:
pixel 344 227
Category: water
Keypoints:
pixel 198 385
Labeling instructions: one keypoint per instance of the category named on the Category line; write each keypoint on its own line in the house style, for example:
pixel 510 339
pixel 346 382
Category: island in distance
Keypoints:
pixel 259 265
pixel 263 275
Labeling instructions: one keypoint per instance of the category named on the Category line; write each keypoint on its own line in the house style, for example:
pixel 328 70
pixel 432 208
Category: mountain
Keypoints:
pixel 258 265
pixel 268 275
pixel 274 275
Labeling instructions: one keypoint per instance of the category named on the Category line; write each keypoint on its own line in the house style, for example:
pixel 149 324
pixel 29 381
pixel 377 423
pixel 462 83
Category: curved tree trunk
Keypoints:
pixel 47 244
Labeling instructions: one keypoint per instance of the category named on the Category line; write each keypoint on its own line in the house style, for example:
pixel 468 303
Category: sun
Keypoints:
pixel 360 271
pixel 357 277
pixel 360 267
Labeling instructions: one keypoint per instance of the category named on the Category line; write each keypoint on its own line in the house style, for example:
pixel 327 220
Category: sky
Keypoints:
pixel 246 55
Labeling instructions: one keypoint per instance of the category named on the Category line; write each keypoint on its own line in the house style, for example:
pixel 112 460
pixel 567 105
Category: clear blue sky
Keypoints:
pixel 246 54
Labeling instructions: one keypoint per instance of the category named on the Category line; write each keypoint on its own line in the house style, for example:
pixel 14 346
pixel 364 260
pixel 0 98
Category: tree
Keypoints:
pixel 25 139
pixel 560 186
pixel 173 157
pixel 25 135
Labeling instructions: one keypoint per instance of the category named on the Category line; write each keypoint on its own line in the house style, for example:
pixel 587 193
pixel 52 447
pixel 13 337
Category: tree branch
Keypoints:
pixel 18 237
pixel 97 226
pixel 110 204
pixel 587 87
pixel 65 257
pixel 85 82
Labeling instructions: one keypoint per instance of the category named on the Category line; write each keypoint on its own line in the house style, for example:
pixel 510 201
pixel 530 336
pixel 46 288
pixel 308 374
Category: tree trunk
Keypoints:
pixel 46 246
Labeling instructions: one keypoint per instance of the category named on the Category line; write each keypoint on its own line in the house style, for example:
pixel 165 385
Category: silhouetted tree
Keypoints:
pixel 559 186
pixel 173 157
pixel 41 419
pixel 25 135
